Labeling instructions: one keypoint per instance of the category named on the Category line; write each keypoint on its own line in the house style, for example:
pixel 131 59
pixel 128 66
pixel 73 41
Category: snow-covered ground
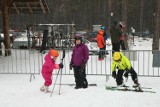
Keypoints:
pixel 17 91
pixel 140 43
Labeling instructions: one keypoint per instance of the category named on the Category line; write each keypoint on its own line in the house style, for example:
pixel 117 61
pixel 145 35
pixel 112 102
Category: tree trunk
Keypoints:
pixel 109 13
pixel 155 45
pixel 124 19
pixel 0 48
pixel 141 17
pixel 5 15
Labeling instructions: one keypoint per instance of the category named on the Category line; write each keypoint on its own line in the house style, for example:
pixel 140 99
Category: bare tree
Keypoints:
pixel 109 12
pixel 157 27
pixel 124 18
pixel 5 15
pixel 141 16
pixel 0 46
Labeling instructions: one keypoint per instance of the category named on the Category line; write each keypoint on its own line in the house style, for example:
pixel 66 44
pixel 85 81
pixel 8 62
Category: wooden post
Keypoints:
pixel 124 18
pixel 156 36
pixel 5 15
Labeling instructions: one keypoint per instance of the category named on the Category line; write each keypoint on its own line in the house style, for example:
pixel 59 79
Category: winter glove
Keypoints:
pixel 61 65
pixel 114 75
pixel 70 66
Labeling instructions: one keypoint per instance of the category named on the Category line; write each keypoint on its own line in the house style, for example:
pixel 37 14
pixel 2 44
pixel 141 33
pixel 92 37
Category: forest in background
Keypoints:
pixel 85 13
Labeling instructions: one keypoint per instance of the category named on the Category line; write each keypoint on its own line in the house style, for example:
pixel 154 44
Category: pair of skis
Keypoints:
pixel 128 88
pixel 114 88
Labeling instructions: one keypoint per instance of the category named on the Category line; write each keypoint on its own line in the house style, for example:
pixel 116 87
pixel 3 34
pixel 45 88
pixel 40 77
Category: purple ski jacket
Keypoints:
pixel 80 54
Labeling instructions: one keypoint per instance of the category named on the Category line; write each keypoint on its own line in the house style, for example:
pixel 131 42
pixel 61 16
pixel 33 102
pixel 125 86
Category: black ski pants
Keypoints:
pixel 122 44
pixel 115 47
pixel 102 52
pixel 120 73
pixel 80 77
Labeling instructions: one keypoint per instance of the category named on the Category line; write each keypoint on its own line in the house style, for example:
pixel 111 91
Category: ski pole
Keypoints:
pixel 58 74
pixel 60 81
pixel 55 82
pixel 61 72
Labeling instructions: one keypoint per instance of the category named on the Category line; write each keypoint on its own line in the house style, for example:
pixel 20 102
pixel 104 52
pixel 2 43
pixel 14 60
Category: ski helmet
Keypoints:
pixel 54 53
pixel 103 28
pixel 116 56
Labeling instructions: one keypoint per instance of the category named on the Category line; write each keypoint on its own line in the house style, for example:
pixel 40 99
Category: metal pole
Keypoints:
pixel 133 38
pixel 58 74
pixel 60 82
pixel 55 82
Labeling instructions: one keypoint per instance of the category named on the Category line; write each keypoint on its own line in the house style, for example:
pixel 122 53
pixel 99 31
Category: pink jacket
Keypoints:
pixel 47 69
pixel 49 65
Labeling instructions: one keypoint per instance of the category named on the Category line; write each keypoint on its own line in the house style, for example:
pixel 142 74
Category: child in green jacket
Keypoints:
pixel 124 67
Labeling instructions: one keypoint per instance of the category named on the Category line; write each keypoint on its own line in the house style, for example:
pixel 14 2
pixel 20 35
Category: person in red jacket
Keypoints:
pixel 48 67
pixel 101 44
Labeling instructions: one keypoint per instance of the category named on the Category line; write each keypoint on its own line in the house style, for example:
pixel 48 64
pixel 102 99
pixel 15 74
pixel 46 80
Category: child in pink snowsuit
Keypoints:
pixel 48 67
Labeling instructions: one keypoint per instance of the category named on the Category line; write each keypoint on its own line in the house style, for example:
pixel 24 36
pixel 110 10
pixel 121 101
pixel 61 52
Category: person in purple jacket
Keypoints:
pixel 79 58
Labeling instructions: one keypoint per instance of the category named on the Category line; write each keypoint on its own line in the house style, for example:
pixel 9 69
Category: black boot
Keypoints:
pixel 85 84
pixel 136 83
pixel 78 86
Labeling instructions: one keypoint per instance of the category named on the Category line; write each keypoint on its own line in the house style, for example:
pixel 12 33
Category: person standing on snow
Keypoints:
pixel 133 33
pixel 48 67
pixel 115 36
pixel 105 33
pixel 124 66
pixel 101 44
pixel 105 38
pixel 79 58
pixel 122 36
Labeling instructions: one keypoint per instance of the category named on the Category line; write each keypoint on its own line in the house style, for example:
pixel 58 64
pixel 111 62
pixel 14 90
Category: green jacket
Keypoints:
pixel 122 65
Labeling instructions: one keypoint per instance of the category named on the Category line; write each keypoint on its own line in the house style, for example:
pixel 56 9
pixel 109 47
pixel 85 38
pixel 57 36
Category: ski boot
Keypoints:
pixel 122 86
pixel 44 89
pixel 77 87
pixel 137 86
pixel 85 84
